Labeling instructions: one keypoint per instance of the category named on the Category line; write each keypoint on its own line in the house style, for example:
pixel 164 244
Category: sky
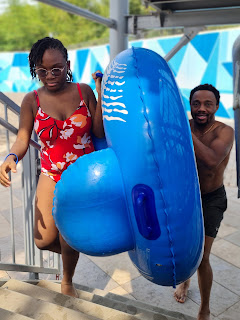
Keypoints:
pixel 4 4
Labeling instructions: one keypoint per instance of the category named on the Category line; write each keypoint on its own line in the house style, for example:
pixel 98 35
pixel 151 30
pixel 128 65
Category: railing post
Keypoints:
pixel 11 193
pixel 27 209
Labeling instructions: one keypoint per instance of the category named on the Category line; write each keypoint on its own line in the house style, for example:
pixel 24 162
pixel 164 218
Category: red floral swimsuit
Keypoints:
pixel 62 142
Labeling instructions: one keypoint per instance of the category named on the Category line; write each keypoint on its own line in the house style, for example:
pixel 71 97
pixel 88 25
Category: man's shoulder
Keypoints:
pixel 223 126
pixel 224 132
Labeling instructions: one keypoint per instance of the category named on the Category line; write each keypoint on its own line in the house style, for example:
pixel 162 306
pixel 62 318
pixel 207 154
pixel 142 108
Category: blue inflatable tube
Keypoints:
pixel 140 194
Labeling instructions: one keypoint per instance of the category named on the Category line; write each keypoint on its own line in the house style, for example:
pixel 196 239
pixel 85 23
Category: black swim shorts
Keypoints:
pixel 214 204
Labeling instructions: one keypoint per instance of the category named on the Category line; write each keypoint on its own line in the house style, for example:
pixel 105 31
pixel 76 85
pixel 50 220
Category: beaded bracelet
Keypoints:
pixel 12 154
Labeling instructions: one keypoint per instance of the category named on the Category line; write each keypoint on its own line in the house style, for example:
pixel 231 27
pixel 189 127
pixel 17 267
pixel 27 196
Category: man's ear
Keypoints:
pixel 68 64
pixel 217 107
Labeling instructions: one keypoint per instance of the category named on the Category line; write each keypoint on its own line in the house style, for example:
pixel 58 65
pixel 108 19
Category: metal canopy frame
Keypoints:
pixel 188 13
pixel 182 5
pixel 191 15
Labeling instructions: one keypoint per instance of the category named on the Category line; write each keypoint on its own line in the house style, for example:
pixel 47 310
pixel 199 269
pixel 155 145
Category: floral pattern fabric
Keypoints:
pixel 63 142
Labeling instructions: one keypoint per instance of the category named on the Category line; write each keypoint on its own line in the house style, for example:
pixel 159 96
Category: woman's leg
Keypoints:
pixel 69 259
pixel 45 231
pixel 47 236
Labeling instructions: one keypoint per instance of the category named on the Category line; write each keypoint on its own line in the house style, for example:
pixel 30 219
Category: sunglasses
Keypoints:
pixel 56 72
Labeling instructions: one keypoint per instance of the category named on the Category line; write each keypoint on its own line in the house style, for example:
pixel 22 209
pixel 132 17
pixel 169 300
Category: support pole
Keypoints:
pixel 68 7
pixel 118 36
pixel 236 104
pixel 189 34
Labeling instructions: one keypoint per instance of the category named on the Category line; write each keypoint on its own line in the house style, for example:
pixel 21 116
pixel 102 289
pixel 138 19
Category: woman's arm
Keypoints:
pixel 20 146
pixel 95 106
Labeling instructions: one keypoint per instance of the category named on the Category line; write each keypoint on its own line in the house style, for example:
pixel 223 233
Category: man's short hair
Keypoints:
pixel 208 87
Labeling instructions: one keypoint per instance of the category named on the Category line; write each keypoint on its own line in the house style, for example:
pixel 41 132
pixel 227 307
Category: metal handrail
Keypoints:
pixel 34 263
pixel 14 130
pixel 11 104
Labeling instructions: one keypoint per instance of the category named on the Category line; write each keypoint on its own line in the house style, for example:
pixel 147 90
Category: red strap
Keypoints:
pixel 37 98
pixel 80 92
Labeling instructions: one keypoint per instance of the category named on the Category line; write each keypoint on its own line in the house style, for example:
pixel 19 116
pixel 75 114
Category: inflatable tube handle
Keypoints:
pixel 145 211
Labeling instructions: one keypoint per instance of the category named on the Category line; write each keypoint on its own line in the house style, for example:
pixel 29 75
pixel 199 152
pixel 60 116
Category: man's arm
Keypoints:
pixel 211 156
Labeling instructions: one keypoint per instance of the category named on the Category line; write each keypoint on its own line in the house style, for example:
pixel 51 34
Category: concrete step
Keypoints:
pixel 137 308
pixel 37 309
pixel 8 315
pixel 89 308
pixel 42 300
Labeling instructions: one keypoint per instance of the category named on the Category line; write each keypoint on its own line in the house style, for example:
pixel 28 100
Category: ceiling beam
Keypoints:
pixel 80 12
pixel 166 19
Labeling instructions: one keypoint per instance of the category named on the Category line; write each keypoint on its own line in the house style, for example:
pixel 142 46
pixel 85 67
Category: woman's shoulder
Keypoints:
pixel 29 102
pixel 86 92
pixel 30 97
pixel 85 86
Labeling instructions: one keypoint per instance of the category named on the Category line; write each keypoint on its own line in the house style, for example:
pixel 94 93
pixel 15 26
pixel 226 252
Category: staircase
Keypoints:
pixel 42 300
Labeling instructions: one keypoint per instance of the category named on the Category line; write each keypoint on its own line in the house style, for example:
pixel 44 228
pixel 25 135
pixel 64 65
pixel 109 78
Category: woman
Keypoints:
pixel 62 113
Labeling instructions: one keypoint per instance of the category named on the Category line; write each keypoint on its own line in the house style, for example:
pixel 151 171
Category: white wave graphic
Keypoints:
pixel 121 111
pixel 111 97
pixel 112 69
pixel 106 110
pixel 108 104
pixel 112 83
pixel 113 118
pixel 115 63
pixel 119 67
pixel 118 71
pixel 116 77
pixel 114 90
pixel 115 98
pixel 114 110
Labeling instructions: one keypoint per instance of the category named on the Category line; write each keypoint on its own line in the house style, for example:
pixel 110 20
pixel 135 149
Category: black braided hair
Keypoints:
pixel 37 52
pixel 207 87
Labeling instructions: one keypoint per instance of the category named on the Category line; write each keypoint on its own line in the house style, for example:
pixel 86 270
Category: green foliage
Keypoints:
pixel 22 24
pixel 19 28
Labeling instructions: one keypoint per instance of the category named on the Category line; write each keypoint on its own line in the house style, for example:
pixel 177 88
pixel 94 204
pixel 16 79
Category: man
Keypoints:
pixel 212 142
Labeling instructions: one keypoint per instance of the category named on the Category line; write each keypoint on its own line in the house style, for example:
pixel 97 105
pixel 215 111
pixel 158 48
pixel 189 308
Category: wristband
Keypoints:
pixel 99 75
pixel 12 154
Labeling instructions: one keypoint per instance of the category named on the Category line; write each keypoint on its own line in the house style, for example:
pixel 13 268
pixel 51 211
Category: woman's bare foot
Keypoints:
pixel 68 289
pixel 180 293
